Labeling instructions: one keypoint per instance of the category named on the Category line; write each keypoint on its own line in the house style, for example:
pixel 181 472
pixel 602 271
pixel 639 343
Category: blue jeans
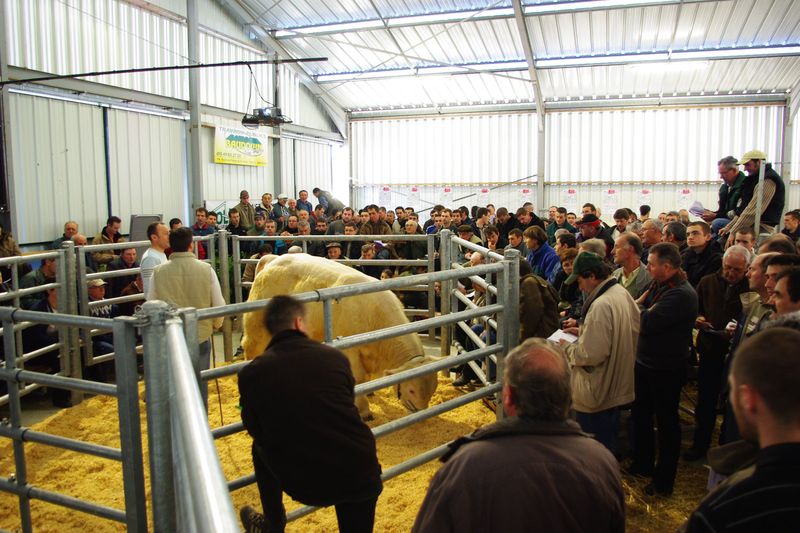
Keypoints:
pixel 717 224
pixel 604 425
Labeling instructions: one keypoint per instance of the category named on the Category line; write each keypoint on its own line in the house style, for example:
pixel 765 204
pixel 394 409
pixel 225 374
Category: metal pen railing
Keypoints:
pixel 505 271
pixel 134 516
pixel 16 295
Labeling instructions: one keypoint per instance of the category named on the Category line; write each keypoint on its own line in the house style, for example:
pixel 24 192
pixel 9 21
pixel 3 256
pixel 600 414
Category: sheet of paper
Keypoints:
pixel 561 334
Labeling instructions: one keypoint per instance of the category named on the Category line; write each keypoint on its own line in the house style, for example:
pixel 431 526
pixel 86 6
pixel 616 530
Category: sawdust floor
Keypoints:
pixel 100 480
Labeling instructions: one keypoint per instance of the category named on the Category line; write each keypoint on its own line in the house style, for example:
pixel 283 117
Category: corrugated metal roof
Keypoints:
pixel 654 27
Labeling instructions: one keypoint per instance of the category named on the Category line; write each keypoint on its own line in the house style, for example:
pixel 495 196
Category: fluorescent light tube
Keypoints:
pixel 589 61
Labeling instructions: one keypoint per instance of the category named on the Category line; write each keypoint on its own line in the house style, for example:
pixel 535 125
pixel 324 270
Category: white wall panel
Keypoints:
pixel 147 159
pixel 59 172
pixel 287 167
pixel 225 181
pixel 452 149
pixel 313 167
pixel 71 36
pixel 656 145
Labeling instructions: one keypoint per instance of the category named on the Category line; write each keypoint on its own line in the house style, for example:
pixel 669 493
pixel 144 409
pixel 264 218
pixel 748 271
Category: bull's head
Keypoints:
pixel 415 393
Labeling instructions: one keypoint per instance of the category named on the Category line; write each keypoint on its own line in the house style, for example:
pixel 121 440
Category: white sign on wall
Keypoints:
pixel 385 196
pixel 569 199
pixel 685 198
pixel 610 201
pixel 447 195
pixel 413 197
pixel 526 195
pixel 483 196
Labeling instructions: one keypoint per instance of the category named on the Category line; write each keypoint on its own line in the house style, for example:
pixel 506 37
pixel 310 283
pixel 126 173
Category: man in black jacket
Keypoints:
pixel 719 302
pixel 308 439
pixel 703 256
pixel 669 309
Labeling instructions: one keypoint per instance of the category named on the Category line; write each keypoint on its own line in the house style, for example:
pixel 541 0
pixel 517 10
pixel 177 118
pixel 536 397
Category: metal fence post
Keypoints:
pixel 73 352
pixel 189 317
pixel 511 313
pixel 502 337
pixel 130 430
pixel 15 414
pixel 237 270
pixel 225 283
pixel 431 292
pixel 83 304
pixel 444 291
pixel 327 318
pixel 159 434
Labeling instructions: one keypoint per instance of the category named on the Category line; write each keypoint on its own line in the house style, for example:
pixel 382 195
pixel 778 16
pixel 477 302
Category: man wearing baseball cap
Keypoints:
pixel 602 359
pixel 592 227
pixel 772 198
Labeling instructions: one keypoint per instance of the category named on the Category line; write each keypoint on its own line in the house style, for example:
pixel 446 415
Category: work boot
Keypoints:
pixel 252 520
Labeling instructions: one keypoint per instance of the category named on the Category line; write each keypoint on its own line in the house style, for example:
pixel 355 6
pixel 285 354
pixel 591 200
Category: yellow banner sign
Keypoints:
pixel 240 147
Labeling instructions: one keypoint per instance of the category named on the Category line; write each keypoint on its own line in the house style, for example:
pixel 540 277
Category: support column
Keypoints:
pixel 786 157
pixel 6 168
pixel 196 167
pixel 541 143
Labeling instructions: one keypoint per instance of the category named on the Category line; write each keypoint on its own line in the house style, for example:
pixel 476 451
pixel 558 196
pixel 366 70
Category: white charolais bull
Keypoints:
pixel 298 273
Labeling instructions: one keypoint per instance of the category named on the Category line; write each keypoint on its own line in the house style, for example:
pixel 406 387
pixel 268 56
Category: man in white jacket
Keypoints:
pixel 603 356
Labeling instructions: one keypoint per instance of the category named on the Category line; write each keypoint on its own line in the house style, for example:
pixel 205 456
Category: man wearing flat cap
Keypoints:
pixel 466 232
pixel 592 227
pixel 772 198
pixel 334 250
pixel 246 210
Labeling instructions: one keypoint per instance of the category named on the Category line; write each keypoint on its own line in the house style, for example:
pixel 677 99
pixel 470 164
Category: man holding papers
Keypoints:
pixel 603 356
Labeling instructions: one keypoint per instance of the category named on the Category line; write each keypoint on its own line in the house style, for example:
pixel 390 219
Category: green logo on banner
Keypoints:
pixel 245 145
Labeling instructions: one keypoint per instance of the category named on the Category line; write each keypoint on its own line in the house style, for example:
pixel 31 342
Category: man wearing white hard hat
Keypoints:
pixel 772 199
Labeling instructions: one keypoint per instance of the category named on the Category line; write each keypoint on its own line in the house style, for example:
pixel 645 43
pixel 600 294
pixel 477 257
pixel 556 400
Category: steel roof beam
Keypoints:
pixel 525 40
pixel 496 13
pixel 243 16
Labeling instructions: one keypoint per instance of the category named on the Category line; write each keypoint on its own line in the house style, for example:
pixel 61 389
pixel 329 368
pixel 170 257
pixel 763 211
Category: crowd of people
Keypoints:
pixel 637 308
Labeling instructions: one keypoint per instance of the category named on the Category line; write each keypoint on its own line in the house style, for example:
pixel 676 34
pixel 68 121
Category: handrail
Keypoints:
pixel 203 500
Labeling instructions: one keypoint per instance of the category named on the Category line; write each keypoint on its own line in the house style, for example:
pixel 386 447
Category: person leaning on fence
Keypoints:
pixel 533 471
pixel 185 281
pixel 308 438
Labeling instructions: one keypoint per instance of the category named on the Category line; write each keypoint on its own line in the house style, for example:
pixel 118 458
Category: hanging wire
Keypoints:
pixel 258 90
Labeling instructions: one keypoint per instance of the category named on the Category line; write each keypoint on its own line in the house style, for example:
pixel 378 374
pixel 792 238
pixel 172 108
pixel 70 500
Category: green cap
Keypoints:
pixel 583 263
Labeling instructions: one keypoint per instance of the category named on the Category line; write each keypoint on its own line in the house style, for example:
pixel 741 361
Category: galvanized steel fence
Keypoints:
pixel 188 490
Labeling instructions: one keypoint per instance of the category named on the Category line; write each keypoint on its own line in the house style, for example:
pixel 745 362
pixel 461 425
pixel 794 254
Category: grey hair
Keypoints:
pixel 540 388
pixel 295 250
pixel 657 224
pixel 303 224
pixel 561 231
pixel 596 246
pixel 729 162
pixel 741 251
pixel 635 227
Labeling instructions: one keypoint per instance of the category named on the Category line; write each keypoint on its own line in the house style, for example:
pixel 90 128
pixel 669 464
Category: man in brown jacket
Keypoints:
pixel 534 470
pixel 538 304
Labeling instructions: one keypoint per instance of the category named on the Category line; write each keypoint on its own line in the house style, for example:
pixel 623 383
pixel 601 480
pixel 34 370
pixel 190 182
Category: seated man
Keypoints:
pixel 764 382
pixel 108 235
pixel 41 276
pixel 308 438
pixel 127 259
pixel 70 229
pixel 533 471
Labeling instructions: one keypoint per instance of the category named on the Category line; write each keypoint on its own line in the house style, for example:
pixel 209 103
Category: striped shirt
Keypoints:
pixel 769 500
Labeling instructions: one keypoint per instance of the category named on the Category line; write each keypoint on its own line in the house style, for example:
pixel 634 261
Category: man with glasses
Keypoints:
pixel 729 193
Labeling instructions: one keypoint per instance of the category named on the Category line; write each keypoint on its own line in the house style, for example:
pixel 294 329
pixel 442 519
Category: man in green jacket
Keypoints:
pixel 729 193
